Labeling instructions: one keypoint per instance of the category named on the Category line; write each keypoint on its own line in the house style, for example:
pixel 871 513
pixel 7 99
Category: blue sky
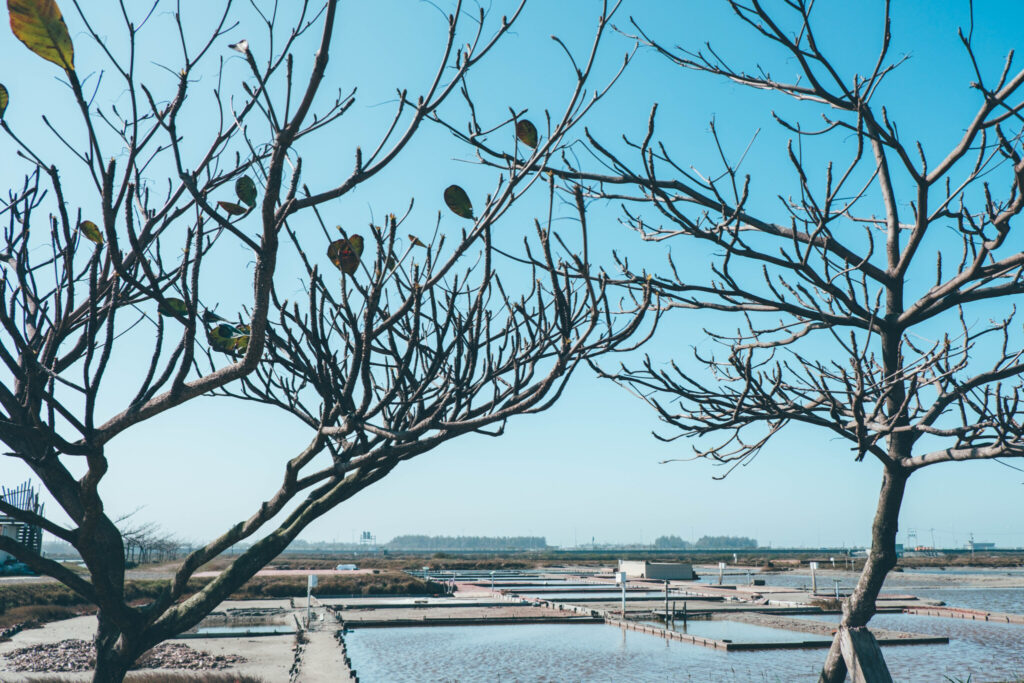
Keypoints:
pixel 589 466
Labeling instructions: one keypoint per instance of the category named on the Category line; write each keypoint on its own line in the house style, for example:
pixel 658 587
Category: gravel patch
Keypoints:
pixel 80 655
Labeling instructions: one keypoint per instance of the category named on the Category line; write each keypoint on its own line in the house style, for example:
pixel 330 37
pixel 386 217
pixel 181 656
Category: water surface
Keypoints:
pixel 611 596
pixel 739 632
pixel 987 599
pixel 559 652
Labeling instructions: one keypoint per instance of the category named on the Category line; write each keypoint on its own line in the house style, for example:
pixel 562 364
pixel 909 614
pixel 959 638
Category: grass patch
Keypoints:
pixel 42 602
pixel 384 583
pixel 34 615
pixel 39 594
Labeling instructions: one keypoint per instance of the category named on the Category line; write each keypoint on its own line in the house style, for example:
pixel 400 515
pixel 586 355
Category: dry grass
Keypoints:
pixel 828 604
pixel 384 583
pixel 35 615
pixel 36 595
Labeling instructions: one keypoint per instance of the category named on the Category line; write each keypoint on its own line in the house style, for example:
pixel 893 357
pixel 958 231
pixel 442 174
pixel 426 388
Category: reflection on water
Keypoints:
pixel 905 581
pixel 558 652
pixel 981 571
pixel 739 632
pixel 569 596
pixel 786 579
pixel 988 599
pixel 985 651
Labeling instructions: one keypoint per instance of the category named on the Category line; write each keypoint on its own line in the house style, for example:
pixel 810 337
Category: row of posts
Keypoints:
pixel 620 577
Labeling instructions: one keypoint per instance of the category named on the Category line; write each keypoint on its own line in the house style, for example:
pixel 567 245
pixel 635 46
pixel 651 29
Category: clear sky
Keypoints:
pixel 588 468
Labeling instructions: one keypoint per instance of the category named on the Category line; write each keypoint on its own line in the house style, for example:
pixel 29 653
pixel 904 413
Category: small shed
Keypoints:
pixel 662 571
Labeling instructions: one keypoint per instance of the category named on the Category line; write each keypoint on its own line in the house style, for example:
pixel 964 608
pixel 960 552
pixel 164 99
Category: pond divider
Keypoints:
pixel 423 605
pixel 340 635
pixel 470 621
pixel 966 613
pixel 613 619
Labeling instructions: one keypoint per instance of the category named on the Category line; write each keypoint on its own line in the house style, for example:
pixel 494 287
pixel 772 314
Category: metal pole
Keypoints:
pixel 666 602
pixel 309 592
pixel 814 578
pixel 623 599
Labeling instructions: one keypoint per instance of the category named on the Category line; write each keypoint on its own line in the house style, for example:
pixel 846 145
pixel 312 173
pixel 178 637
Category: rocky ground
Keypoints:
pixel 80 655
pixel 43 649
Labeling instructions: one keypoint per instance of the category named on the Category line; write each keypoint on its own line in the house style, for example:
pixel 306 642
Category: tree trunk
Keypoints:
pixel 114 654
pixel 860 606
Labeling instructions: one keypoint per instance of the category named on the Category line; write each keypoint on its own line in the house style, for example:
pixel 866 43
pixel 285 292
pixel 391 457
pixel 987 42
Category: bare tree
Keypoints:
pixel 146 542
pixel 417 344
pixel 875 301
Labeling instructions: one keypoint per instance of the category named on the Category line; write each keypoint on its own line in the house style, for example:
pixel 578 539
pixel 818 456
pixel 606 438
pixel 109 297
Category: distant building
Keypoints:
pixel 24 497
pixel 662 571
pixel 981 545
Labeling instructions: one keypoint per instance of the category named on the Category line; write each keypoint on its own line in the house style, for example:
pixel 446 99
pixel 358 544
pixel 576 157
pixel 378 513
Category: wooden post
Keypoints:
pixel 620 577
pixel 310 583
pixel 862 655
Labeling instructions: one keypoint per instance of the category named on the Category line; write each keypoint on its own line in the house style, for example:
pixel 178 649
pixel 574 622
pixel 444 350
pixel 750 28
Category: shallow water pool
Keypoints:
pixel 597 652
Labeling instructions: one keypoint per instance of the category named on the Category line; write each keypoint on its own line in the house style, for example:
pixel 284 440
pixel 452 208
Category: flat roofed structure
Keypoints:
pixel 663 571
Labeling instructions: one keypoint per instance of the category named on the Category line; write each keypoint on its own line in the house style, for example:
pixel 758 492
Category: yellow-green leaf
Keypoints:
pixel 345 253
pixel 3 100
pixel 172 307
pixel 458 201
pixel 231 208
pixel 526 132
pixel 245 188
pixel 91 232
pixel 416 241
pixel 222 338
pixel 39 24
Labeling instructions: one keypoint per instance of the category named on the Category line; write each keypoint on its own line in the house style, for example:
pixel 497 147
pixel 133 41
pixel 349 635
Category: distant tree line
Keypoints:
pixel 676 543
pixel 418 542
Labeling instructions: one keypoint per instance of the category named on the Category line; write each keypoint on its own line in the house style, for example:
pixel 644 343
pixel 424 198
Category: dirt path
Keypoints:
pixel 322 660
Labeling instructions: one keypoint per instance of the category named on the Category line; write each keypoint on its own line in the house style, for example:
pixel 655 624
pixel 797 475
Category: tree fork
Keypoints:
pixel 115 654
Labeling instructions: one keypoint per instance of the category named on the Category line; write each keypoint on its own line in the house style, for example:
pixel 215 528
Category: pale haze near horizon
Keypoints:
pixel 589 467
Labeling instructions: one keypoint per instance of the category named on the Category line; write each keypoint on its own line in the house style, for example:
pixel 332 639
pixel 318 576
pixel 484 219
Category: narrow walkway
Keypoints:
pixel 322 661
